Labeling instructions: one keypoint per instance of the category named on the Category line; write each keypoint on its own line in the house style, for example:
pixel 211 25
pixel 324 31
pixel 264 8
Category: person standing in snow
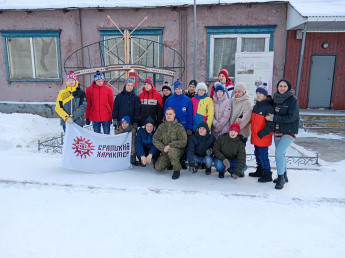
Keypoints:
pixel 191 89
pixel 100 104
pixel 286 117
pixel 230 153
pixel 127 104
pixel 222 111
pixel 71 102
pixel 261 136
pixel 151 103
pixel 241 109
pixel 144 147
pixel 224 79
pixel 183 109
pixel 171 139
pixel 203 107
pixel 166 89
pixel 126 127
pixel 199 148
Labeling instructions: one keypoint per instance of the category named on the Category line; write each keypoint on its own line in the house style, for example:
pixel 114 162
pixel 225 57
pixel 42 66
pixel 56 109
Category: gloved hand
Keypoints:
pixel 135 126
pixel 87 121
pixel 192 167
pixel 226 163
pixel 115 123
pixel 189 132
pixel 209 152
pixel 234 176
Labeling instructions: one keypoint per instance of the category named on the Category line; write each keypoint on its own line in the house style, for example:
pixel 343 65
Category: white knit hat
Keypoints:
pixel 201 85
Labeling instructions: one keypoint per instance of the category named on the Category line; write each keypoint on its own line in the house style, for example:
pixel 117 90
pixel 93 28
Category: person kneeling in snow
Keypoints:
pixel 171 139
pixel 230 153
pixel 144 147
pixel 71 102
pixel 126 127
pixel 199 148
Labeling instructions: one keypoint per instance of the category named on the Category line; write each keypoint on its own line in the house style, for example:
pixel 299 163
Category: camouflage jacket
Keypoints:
pixel 170 133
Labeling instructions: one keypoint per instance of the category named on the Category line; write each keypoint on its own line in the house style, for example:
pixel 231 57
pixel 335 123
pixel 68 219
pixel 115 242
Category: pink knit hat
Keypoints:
pixel 71 75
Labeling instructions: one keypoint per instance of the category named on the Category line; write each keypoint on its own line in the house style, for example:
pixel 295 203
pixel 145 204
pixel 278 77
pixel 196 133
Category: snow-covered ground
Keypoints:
pixel 48 211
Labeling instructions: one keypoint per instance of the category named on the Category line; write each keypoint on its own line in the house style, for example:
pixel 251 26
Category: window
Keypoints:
pixel 224 42
pixel 143 39
pixel 32 55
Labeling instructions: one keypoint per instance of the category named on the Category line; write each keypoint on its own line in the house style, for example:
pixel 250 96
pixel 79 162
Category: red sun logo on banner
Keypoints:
pixel 83 147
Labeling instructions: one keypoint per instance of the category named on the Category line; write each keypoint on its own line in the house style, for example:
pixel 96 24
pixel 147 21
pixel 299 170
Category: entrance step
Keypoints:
pixel 322 121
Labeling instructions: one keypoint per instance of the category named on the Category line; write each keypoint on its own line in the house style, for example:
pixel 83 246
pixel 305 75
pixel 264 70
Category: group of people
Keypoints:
pixel 190 127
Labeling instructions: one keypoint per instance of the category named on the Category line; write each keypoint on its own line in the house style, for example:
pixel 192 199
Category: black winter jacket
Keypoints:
pixel 288 116
pixel 198 145
pixel 126 104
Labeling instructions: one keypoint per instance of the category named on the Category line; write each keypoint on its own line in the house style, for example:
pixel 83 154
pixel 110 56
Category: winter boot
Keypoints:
pixel 208 171
pixel 170 167
pixel 176 175
pixel 134 160
pixel 285 178
pixel 280 182
pixel 258 173
pixel 241 174
pixel 221 174
pixel 183 164
pixel 266 177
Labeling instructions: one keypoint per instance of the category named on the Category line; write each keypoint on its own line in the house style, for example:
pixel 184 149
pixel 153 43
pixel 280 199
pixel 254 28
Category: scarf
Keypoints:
pixel 280 98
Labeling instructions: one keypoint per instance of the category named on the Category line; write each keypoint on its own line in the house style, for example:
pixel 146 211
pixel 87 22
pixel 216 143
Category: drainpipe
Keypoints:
pixel 301 59
pixel 195 41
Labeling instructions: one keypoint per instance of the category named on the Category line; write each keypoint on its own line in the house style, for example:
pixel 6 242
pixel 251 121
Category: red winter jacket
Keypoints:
pixel 151 105
pixel 100 102
pixel 228 82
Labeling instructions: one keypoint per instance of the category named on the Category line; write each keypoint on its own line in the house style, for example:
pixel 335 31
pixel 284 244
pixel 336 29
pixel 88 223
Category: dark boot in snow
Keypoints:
pixel 258 173
pixel 280 182
pixel 285 177
pixel 208 171
pixel 221 174
pixel 266 177
pixel 176 175
pixel 134 160
pixel 183 164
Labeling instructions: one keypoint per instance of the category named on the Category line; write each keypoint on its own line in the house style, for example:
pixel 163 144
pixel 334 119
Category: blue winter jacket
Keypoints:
pixel 127 104
pixel 144 139
pixel 183 108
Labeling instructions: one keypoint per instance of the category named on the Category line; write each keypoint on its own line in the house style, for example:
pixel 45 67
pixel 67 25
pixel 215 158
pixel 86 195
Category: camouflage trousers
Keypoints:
pixel 171 157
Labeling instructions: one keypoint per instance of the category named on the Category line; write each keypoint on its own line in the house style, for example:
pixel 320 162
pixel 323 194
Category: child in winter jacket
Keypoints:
pixel 222 109
pixel 261 136
pixel 126 127
pixel 203 108
pixel 127 104
pixel 144 147
pixel 151 103
pixel 230 153
pixel 224 79
pixel 100 104
pixel 71 102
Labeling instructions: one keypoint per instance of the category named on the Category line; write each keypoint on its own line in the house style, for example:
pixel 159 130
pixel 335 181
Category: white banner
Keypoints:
pixel 88 151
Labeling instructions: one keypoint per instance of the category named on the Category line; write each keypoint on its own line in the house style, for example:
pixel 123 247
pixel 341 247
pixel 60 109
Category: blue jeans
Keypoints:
pixel 281 147
pixel 261 156
pixel 97 127
pixel 207 160
pixel 221 168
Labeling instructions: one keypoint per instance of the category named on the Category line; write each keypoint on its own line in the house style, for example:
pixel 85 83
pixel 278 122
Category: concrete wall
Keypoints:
pixel 80 28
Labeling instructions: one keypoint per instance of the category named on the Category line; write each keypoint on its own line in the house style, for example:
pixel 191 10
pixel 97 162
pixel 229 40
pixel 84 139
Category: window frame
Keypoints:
pixel 32 34
pixel 238 32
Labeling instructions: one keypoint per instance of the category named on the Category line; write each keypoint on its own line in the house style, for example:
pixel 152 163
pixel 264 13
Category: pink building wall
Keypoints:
pixel 79 28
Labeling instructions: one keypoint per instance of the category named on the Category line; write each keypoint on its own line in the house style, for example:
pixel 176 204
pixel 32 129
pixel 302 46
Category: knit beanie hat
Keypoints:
pixel 149 81
pixel 127 119
pixel 224 72
pixel 201 85
pixel 262 89
pixel 219 86
pixel 166 86
pixel 98 76
pixel 149 120
pixel 178 84
pixel 241 86
pixel 71 75
pixel 129 80
pixel 193 82
pixel 235 127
